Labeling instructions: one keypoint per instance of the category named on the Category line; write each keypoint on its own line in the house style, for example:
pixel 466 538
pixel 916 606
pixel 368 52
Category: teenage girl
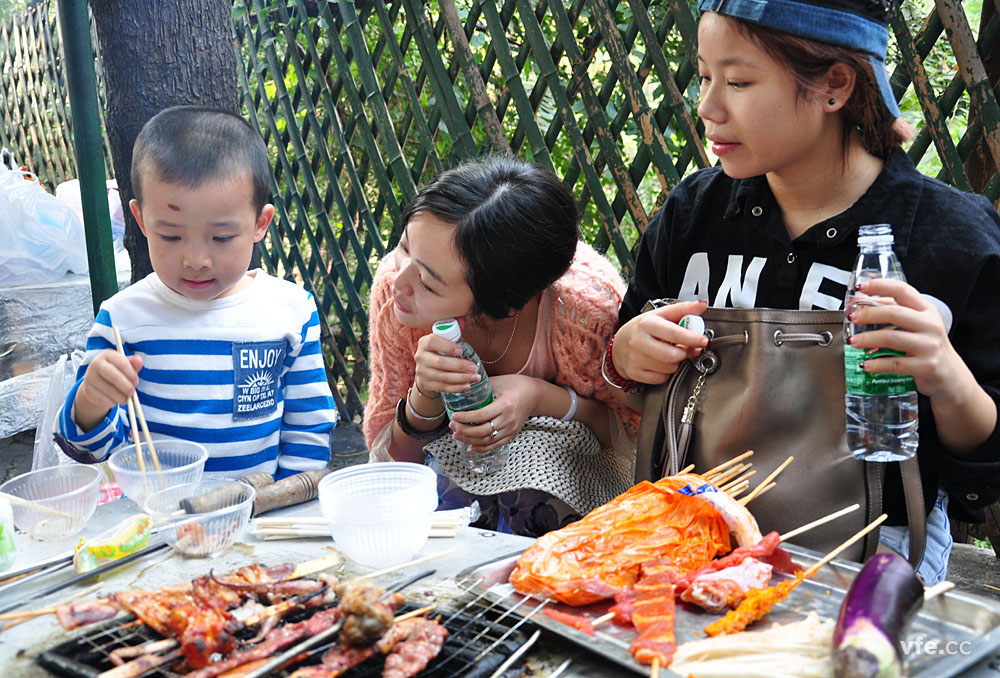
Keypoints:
pixel 797 107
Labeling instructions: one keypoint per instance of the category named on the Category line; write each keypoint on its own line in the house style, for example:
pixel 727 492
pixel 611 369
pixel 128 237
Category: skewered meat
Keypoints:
pixel 86 612
pixel 336 662
pixel 576 621
pixel 366 615
pixel 590 559
pixel 417 642
pixel 275 640
pixel 755 605
pixel 767 547
pixel 715 591
pixel 653 616
pixel 623 607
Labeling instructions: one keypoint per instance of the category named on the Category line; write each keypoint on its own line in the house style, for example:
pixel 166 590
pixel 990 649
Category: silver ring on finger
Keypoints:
pixel 495 432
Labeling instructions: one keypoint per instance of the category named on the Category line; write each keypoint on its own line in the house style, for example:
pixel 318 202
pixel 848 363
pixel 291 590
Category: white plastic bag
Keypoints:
pixel 42 237
pixel 61 380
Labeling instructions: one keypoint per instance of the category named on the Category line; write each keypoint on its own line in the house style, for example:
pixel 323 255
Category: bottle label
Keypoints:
pixel 859 382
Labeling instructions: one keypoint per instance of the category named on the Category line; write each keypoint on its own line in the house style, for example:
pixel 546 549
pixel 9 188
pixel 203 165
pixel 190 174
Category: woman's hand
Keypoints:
pixel 916 329
pixel 649 347
pixel 436 372
pixel 963 412
pixel 515 399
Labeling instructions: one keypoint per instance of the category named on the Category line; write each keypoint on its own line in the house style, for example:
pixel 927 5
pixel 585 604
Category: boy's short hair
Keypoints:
pixel 189 145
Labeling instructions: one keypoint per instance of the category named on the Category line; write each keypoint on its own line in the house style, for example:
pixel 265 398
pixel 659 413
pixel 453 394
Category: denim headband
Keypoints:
pixel 815 22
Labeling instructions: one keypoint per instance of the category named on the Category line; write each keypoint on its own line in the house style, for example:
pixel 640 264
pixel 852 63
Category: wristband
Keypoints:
pixel 573 402
pixel 408 429
pixel 611 375
pixel 417 415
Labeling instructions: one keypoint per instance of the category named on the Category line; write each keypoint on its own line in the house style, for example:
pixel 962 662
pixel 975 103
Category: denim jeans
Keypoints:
pixel 934 567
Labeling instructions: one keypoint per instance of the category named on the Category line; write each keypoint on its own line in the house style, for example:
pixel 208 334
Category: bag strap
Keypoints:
pixel 916 512
pixel 874 482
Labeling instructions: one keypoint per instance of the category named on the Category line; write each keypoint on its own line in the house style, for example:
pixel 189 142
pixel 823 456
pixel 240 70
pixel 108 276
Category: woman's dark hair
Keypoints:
pixel 864 111
pixel 189 145
pixel 515 223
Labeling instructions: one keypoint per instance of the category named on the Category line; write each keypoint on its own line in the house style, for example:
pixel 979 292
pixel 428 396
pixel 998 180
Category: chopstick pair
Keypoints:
pixel 134 409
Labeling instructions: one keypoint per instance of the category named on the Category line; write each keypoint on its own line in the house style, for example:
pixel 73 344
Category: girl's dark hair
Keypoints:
pixel 515 224
pixel 864 111
pixel 189 145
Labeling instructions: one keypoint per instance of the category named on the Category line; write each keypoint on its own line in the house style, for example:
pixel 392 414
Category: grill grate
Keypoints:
pixel 481 636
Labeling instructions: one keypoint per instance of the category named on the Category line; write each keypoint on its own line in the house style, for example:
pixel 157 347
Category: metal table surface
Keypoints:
pixel 20 644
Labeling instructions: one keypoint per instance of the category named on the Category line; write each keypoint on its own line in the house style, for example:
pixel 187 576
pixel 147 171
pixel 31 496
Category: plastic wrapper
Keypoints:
pixel 39 323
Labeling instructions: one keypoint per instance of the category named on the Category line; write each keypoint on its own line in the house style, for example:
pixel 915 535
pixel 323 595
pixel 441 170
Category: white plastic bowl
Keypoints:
pixel 181 462
pixel 70 489
pixel 379 514
pixel 201 533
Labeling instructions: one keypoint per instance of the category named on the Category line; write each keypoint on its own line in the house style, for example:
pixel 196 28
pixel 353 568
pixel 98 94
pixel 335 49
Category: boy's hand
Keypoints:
pixel 110 379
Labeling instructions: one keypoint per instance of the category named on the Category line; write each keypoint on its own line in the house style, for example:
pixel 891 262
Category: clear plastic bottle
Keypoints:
pixel 480 394
pixel 881 408
pixel 8 552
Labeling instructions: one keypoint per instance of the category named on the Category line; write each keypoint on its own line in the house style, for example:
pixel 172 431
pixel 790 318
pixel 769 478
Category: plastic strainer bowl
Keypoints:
pixel 69 490
pixel 202 533
pixel 181 462
pixel 379 514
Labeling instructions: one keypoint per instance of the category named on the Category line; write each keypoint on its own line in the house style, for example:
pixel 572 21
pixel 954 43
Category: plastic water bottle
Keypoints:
pixel 480 394
pixel 881 408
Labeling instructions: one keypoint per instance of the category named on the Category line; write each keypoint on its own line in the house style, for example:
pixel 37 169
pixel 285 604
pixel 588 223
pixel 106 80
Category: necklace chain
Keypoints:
pixel 509 342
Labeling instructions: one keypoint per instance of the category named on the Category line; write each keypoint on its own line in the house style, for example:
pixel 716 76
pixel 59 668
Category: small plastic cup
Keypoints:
pixel 202 533
pixel 66 496
pixel 181 462
pixel 379 514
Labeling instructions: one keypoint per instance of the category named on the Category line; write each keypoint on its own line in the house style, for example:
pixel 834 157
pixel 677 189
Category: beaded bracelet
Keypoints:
pixel 408 428
pixel 611 375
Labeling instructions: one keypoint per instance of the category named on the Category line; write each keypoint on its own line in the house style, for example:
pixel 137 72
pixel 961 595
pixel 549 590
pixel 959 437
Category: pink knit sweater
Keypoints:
pixel 584 312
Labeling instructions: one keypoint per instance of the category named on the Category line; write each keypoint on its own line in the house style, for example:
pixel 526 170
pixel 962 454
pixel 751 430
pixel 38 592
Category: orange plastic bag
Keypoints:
pixel 592 558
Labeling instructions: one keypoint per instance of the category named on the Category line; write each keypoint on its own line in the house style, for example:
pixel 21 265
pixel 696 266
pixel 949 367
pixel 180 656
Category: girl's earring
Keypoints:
pixel 831 101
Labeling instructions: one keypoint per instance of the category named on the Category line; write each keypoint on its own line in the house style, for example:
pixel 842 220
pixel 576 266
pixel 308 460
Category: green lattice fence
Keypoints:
pixel 361 102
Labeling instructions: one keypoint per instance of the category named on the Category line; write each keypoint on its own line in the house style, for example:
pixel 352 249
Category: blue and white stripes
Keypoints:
pixel 243 375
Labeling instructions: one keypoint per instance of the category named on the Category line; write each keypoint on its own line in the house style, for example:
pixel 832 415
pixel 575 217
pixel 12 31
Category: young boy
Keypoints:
pixel 218 355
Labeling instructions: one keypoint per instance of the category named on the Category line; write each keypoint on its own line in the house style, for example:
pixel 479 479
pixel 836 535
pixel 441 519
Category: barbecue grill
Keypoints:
pixel 482 635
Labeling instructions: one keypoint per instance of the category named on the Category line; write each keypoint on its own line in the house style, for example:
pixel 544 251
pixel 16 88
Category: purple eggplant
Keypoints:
pixel 882 600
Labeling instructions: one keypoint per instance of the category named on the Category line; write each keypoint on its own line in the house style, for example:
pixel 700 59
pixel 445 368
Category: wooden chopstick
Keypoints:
pixel 135 408
pixel 27 503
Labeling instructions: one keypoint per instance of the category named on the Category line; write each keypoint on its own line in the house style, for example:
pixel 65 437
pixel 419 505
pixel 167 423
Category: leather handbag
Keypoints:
pixel 773 381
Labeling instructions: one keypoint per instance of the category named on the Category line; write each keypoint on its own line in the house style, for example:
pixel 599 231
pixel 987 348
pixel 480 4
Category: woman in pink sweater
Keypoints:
pixel 495 243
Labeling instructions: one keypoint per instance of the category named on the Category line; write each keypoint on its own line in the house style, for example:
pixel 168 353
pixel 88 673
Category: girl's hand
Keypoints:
pixel 514 401
pixel 649 347
pixel 436 372
pixel 916 329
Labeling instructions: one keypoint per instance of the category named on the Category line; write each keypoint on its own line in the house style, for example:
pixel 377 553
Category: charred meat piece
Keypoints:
pixel 336 662
pixel 416 643
pixel 366 615
pixel 276 640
